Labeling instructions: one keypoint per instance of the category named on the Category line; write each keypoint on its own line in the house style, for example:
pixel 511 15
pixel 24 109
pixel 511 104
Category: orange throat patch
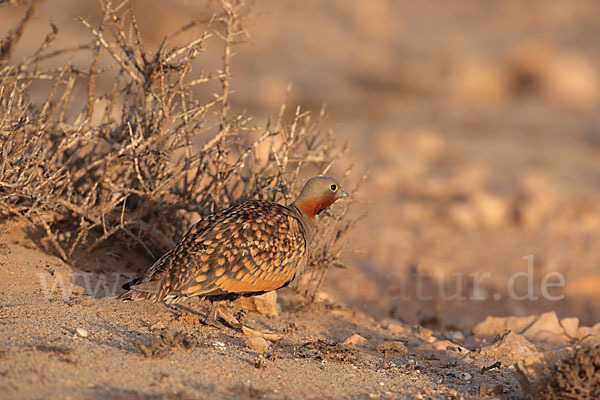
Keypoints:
pixel 312 207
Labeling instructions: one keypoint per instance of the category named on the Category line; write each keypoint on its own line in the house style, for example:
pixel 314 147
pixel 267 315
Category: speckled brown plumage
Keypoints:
pixel 245 250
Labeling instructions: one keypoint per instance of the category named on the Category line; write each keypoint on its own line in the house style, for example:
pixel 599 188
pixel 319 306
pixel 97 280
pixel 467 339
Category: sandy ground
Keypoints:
pixel 43 356
pixel 479 122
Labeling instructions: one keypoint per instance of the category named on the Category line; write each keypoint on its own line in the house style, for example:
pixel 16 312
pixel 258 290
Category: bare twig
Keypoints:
pixel 144 157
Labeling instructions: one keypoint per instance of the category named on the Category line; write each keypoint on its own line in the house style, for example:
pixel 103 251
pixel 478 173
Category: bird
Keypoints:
pixel 245 250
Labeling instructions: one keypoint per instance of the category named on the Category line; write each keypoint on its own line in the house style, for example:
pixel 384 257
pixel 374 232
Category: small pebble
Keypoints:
pixel 465 376
pixel 457 337
pixel 82 332
pixel 257 344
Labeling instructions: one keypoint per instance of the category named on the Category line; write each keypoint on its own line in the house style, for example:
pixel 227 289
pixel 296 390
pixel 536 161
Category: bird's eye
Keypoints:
pixel 333 187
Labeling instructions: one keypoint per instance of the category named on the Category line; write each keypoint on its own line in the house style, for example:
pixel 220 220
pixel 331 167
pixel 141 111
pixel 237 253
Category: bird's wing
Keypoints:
pixel 148 285
pixel 255 248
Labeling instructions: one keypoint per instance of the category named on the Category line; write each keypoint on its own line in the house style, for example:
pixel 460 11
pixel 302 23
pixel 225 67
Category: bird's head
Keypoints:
pixel 317 194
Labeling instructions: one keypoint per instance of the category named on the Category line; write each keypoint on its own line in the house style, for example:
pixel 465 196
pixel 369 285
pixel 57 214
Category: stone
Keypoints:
pixel 510 345
pixel 457 337
pixel 584 331
pixel 448 345
pixel 493 326
pixel 264 304
pixel 547 328
pixel 273 337
pixel 257 344
pixel 356 340
pixel 570 326
pixel 82 332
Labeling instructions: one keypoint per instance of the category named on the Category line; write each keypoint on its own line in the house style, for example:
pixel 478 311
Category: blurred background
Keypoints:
pixel 479 122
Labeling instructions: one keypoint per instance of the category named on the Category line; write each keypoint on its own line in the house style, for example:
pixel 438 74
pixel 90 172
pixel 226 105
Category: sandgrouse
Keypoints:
pixel 245 250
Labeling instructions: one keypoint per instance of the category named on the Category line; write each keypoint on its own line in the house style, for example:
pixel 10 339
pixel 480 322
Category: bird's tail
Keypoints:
pixel 129 295
pixel 139 291
pixel 128 285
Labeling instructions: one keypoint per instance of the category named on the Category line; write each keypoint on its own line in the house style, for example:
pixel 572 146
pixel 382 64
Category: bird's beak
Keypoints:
pixel 344 194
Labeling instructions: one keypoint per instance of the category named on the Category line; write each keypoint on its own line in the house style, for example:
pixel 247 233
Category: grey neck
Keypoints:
pixel 309 224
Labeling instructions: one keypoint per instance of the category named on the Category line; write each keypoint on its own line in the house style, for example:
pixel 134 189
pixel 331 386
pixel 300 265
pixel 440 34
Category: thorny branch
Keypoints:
pixel 120 161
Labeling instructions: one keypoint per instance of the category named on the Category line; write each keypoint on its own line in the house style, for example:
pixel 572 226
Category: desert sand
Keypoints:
pixel 479 125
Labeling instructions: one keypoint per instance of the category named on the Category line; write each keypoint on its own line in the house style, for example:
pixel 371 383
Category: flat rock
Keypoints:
pixel 570 326
pixel 547 329
pixel 589 335
pixel 493 326
pixel 544 329
pixel 510 345
pixel 584 331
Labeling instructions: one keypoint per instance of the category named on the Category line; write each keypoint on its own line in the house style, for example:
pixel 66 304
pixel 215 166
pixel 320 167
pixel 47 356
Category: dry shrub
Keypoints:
pixel 146 157
pixel 577 377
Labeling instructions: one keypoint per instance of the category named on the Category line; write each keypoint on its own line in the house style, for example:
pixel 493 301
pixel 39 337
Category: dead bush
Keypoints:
pixel 161 147
pixel 577 377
